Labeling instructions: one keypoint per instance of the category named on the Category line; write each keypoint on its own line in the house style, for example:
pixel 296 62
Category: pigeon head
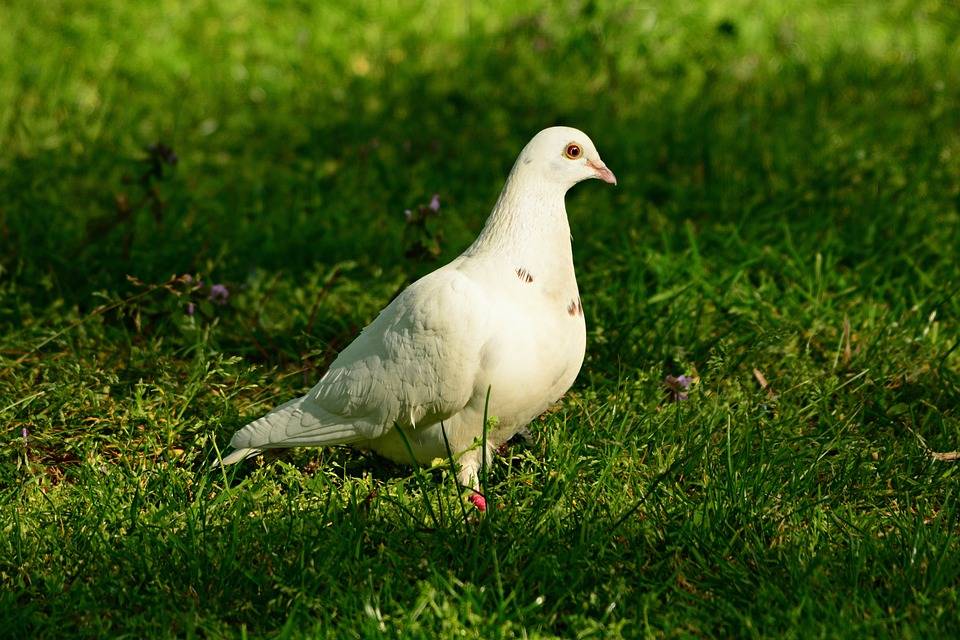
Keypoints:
pixel 565 156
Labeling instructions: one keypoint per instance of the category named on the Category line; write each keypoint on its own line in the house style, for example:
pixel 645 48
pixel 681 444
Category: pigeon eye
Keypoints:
pixel 573 151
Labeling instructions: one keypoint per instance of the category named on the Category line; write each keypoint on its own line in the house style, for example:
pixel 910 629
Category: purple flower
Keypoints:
pixel 191 308
pixel 677 387
pixel 24 433
pixel 435 202
pixel 219 294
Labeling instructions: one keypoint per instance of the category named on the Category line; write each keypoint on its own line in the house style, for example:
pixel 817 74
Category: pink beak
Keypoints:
pixel 602 172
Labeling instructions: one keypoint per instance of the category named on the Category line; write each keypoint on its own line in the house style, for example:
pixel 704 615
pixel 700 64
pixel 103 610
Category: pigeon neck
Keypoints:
pixel 528 221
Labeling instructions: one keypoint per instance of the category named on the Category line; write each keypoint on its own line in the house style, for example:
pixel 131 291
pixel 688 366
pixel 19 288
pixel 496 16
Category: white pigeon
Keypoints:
pixel 504 317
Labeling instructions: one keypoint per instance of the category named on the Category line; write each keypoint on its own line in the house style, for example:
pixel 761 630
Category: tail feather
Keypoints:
pixel 235 456
pixel 268 429
pixel 289 426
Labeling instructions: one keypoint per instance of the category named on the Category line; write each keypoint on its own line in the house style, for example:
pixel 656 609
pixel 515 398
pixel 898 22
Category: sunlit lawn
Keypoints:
pixel 785 232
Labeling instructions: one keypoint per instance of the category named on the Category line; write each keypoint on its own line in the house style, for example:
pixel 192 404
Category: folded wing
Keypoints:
pixel 416 363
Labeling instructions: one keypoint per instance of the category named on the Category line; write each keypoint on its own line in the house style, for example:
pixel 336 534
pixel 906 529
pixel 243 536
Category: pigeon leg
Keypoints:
pixel 469 474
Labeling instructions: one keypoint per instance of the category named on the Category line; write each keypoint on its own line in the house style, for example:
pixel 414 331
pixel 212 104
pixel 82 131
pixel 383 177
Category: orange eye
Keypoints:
pixel 573 151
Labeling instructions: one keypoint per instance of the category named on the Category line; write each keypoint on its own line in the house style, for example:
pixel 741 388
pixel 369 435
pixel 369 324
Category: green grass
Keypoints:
pixel 788 204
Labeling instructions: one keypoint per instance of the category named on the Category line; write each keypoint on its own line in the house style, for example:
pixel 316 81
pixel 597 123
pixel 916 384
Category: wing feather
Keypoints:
pixel 417 362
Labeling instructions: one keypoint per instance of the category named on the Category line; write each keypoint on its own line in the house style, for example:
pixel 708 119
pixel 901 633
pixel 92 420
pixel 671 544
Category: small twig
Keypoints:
pixel 762 381
pixel 945 456
pixel 847 351
pixel 940 456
